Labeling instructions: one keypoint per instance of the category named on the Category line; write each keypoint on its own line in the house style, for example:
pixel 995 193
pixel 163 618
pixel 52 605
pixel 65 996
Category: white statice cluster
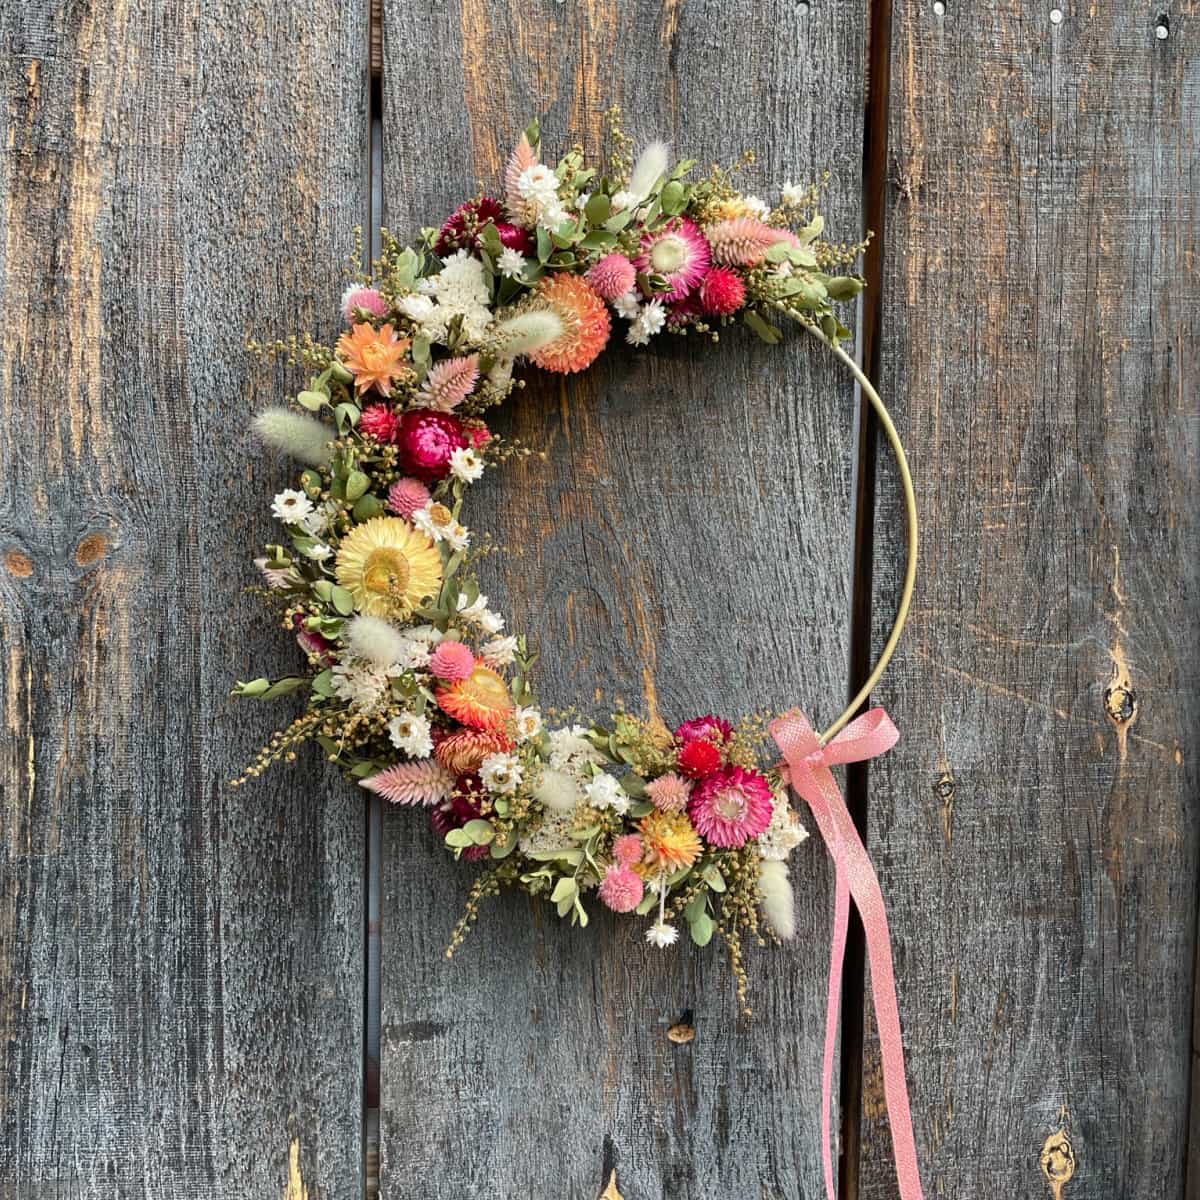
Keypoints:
pixel 361 684
pixel 538 187
pixel 459 289
pixel 783 834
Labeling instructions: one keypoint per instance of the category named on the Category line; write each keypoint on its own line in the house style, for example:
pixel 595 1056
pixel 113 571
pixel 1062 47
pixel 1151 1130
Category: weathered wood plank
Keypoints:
pixel 1036 828
pixel 181 964
pixel 686 547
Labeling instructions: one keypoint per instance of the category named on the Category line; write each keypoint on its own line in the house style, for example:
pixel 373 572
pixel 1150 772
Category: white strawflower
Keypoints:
pixel 511 262
pixel 465 464
pixel 793 193
pixel 627 306
pixel 500 773
pixel 528 722
pixel 605 791
pixel 662 935
pixel 318 552
pixel 499 652
pixel 538 185
pixel 292 507
pixel 552 216
pixel 470 612
pixel 410 733
pixel 416 307
pixel 489 622
pixel 760 208
pixel 458 536
pixel 622 200
pixel 653 316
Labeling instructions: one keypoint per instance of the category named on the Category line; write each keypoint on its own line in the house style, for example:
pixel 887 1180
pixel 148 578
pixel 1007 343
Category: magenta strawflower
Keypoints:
pixel 427 439
pixel 612 276
pixel 669 793
pixel 678 254
pixel 407 495
pixel 708 728
pixel 627 849
pixel 621 889
pixel 452 661
pixel 357 300
pixel 731 806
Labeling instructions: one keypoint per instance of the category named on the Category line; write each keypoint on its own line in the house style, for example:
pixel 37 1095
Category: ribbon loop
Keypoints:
pixel 807 770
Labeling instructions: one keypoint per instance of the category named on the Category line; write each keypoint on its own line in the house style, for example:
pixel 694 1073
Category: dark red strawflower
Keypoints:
pixel 462 228
pixel 684 312
pixel 380 422
pixel 427 439
pixel 698 759
pixel 513 237
pixel 463 806
pixel 722 292
pixel 710 728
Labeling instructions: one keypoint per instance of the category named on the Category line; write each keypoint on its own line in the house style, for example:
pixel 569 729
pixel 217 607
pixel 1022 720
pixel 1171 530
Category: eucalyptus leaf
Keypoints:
pixel 342 600
pixel 701 929
pixel 479 831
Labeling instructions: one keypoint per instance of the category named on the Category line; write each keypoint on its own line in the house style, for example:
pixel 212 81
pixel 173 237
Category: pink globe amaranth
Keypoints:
pixel 380 422
pixel 612 276
pixel 356 300
pixel 451 661
pixel 406 495
pixel 722 292
pixel 621 889
pixel 627 849
pixel 427 439
pixel 708 728
pixel 731 806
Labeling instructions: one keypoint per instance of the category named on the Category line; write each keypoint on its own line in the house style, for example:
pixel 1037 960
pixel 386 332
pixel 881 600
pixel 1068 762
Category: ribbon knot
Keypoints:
pixel 807 770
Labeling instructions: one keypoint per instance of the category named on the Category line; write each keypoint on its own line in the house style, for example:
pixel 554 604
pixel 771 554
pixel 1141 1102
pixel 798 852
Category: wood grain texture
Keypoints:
pixel 1036 828
pixel 180 1002
pixel 685 547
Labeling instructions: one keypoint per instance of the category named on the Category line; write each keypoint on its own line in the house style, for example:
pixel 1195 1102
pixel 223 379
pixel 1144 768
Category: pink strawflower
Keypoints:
pixel 743 241
pixel 731 806
pixel 449 383
pixel 380 422
pixel 708 728
pixel 627 849
pixel 669 793
pixel 621 889
pixel 427 439
pixel 406 495
pixel 357 300
pixel 677 253
pixel 722 292
pixel 452 661
pixel 612 276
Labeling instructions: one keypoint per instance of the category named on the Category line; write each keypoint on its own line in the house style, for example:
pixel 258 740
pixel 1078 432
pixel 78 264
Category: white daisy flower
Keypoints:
pixel 605 791
pixel 458 536
pixel 436 521
pixel 499 652
pixel 662 935
pixel 760 208
pixel 511 262
pixel 470 612
pixel 528 722
pixel 410 733
pixel 500 773
pixel 793 193
pixel 292 507
pixel 465 464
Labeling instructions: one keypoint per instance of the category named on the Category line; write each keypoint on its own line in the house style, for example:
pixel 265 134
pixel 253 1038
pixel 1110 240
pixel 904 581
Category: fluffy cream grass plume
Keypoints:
pixel 424 783
pixel 302 437
pixel 527 332
pixel 651 163
pixel 375 640
pixel 778 903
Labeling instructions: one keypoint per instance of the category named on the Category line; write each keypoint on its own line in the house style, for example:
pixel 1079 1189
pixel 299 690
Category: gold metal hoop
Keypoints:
pixel 910 509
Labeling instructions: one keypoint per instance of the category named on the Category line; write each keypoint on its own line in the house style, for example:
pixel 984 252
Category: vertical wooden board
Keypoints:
pixel 181 1000
pixel 1036 827
pixel 685 547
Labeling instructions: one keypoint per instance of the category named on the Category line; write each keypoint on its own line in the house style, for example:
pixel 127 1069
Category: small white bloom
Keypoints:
pixel 758 207
pixel 605 791
pixel 470 612
pixel 499 652
pixel 528 722
pixel 538 184
pixel 569 748
pixel 465 464
pixel 627 306
pixel 410 733
pixel 622 200
pixel 653 316
pixel 553 215
pixel 783 834
pixel 417 308
pixel 489 622
pixel 793 193
pixel 511 262
pixel 291 507
pixel 319 553
pixel 359 684
pixel 662 935
pixel 458 536
pixel 500 773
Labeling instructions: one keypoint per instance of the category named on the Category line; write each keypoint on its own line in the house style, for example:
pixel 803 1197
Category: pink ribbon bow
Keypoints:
pixel 808 764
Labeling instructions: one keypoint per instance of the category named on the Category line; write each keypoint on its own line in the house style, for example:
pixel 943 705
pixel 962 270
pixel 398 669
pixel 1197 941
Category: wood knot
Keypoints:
pixel 92 548
pixel 18 564
pixel 943 787
pixel 1058 1161
pixel 1120 704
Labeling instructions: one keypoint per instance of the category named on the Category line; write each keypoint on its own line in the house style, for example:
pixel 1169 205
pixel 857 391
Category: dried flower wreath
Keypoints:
pixel 413 685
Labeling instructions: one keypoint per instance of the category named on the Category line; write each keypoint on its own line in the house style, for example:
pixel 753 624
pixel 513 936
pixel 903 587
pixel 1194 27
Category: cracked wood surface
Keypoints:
pixel 685 547
pixel 180 975
pixel 1036 828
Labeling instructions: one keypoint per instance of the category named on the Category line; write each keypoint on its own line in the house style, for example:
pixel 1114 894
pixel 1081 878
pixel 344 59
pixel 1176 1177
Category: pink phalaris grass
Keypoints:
pixel 521 159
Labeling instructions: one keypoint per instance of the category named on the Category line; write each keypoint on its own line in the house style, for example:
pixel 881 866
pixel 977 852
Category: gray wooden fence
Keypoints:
pixel 183 984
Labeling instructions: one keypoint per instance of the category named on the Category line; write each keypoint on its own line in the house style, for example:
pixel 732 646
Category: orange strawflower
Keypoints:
pixel 481 701
pixel 670 842
pixel 374 356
